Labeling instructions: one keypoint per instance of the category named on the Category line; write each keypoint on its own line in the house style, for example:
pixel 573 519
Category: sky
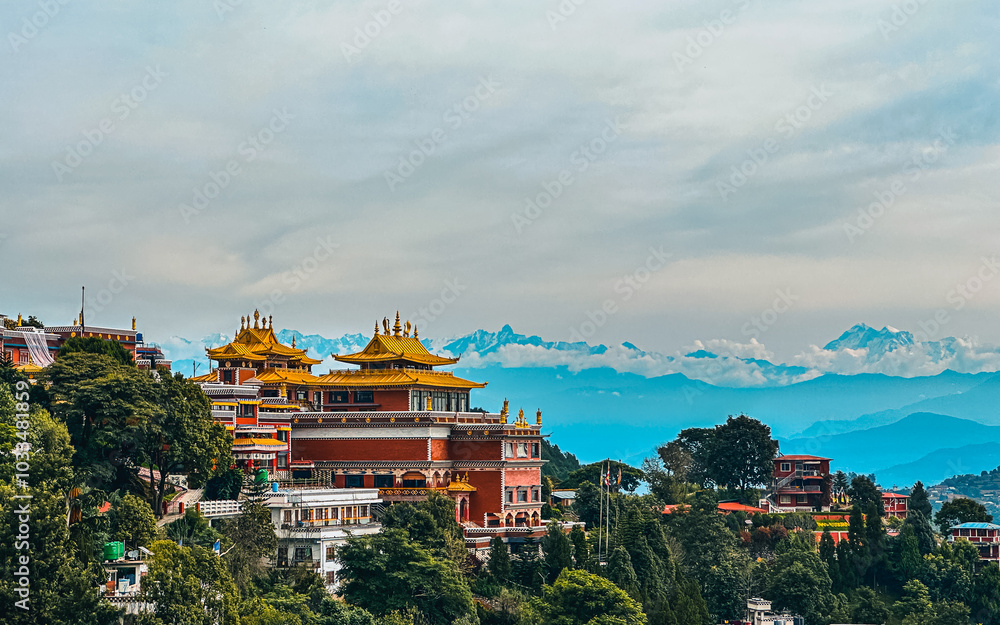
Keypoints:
pixel 652 172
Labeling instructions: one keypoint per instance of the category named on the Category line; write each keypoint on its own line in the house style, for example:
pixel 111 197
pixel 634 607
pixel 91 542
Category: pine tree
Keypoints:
pixel 910 560
pixel 499 564
pixel 621 573
pixel 527 568
pixel 581 548
pixel 689 606
pixel 558 551
pixel 919 501
pixel 828 553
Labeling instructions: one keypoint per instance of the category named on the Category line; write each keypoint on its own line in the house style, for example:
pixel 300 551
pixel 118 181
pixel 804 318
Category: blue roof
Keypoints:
pixel 976 526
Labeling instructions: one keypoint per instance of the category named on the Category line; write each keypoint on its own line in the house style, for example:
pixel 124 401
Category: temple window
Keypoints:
pixel 522 450
pixel 534 450
pixel 384 481
pixel 338 397
pixel 364 397
pixel 331 552
pixel 354 481
pixel 509 450
pixel 522 496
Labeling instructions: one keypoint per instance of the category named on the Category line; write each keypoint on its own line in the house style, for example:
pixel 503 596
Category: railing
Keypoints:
pixel 221 507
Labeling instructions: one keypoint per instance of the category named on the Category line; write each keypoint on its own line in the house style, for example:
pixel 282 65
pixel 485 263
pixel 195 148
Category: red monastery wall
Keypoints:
pixel 475 450
pixel 353 449
pixel 524 477
pixel 488 495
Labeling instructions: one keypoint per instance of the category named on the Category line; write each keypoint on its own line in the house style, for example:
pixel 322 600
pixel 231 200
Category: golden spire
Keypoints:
pixel 76 320
pixel 538 417
pixel 506 407
pixel 256 320
pixel 415 335
pixel 270 322
pixel 396 328
pixel 19 319
pixel 263 323
pixel 385 326
pixel 293 340
pixel 133 324
pixel 376 327
pixel 243 321
pixel 520 418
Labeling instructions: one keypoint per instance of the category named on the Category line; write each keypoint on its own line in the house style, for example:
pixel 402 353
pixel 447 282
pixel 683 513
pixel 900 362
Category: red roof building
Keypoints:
pixel 895 505
pixel 801 484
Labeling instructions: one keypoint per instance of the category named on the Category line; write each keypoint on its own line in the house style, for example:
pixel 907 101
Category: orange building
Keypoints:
pixel 394 423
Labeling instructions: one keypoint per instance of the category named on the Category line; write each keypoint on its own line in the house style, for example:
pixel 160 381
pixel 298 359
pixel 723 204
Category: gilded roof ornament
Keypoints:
pixel 256 320
pixel 397 329
pixel 133 324
pixel 376 327
pixel 407 328
pixel 293 340
pixel 415 335
pixel 538 417
pixel 385 325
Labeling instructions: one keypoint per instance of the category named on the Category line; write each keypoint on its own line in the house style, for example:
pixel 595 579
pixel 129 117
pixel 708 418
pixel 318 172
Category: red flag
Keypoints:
pixel 619 475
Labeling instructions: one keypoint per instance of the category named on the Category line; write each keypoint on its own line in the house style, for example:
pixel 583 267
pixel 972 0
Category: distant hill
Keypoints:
pixel 902 442
pixel 941 464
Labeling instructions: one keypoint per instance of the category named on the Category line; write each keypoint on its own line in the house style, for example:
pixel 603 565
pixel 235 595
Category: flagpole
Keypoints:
pixel 600 521
pixel 607 518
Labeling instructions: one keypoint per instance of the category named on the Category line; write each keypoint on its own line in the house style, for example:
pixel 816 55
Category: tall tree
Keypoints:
pixel 527 569
pixel 134 521
pixel 558 551
pixel 919 501
pixel 922 529
pixel 250 539
pixel 868 608
pixel 743 453
pixel 581 548
pixel 182 436
pixel 621 573
pixel 864 491
pixel 499 562
pixel 959 511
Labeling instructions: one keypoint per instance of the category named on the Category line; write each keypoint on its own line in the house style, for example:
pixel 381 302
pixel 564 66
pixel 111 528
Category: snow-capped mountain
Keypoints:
pixel 861 349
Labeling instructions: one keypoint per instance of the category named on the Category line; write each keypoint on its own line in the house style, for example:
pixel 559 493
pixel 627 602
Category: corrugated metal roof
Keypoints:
pixel 976 526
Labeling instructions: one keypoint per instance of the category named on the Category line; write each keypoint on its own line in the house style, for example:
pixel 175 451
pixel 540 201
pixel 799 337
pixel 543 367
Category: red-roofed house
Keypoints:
pixel 801 484
pixel 895 505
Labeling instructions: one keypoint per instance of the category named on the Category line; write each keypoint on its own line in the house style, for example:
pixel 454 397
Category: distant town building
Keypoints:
pixel 801 484
pixel 985 536
pixel 895 505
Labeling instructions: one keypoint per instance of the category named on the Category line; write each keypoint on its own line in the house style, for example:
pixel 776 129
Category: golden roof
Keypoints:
pixel 29 367
pixel 399 345
pixel 243 442
pixel 396 377
pixel 461 484
pixel 211 376
pixel 258 343
pixel 272 376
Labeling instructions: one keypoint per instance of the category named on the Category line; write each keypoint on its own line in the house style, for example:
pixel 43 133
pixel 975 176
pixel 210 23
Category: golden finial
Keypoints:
pixel 396 328
pixel 293 340
pixel 263 323
pixel 538 417
pixel 270 322
pixel 256 320
pixel 19 319
pixel 76 321
pixel 415 335
pixel 243 321
pixel 376 327
pixel 385 326
pixel 430 404
pixel 133 324
pixel 407 328
pixel 520 416
pixel 506 407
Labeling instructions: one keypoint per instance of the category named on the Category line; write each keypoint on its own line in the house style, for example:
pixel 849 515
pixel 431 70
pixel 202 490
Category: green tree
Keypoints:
pixel 527 569
pixel 959 511
pixel 581 548
pixel 621 573
pixel 688 606
pixel 106 406
pixel 910 561
pixel 631 477
pixel 799 582
pixel 839 486
pixel 136 524
pixel 226 484
pixel 558 551
pixel 868 608
pixel 192 529
pixel 182 436
pixel 863 491
pixel 389 572
pixel 918 500
pixel 581 598
pixel 743 453
pixel 94 345
pixel 922 530
pixel 986 595
pixel 560 463
pixel 431 523
pixel 62 578
pixel 190 586
pixel 249 538
pixel 915 604
pixel 499 562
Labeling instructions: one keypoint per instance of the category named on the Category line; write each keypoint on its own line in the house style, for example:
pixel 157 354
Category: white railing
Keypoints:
pixel 221 507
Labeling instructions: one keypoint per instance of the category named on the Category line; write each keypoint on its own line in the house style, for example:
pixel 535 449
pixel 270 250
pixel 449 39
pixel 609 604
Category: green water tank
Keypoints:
pixel 261 476
pixel 113 551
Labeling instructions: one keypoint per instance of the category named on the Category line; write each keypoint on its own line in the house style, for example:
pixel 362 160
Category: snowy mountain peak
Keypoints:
pixel 863 336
